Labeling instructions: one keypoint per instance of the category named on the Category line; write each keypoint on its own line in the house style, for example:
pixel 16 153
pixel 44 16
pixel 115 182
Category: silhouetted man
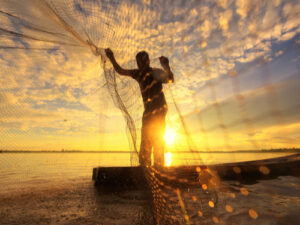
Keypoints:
pixel 155 107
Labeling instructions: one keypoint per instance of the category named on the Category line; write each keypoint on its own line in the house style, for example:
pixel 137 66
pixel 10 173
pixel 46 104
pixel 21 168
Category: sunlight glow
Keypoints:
pixel 168 159
pixel 170 136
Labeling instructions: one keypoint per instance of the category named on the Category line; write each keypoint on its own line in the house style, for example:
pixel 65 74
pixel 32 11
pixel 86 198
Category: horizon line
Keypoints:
pixel 129 152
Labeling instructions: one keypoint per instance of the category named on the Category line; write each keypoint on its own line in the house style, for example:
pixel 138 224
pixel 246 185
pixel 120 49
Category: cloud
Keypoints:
pixel 7 99
pixel 252 115
pixel 285 136
pixel 204 43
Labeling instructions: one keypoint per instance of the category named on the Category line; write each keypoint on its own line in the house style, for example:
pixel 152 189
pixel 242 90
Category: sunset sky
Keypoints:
pixel 236 67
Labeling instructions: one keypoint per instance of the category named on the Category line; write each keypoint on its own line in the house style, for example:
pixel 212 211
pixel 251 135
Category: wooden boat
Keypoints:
pixel 245 172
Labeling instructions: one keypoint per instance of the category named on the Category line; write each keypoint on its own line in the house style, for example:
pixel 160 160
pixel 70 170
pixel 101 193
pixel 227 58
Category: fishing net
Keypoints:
pixel 236 68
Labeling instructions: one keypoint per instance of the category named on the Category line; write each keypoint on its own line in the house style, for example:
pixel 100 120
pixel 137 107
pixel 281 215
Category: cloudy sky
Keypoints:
pixel 236 66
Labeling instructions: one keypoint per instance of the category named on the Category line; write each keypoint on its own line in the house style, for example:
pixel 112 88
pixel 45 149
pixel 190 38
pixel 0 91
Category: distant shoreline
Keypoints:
pixel 178 152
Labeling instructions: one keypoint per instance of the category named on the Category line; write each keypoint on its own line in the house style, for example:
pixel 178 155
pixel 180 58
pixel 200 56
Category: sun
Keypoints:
pixel 170 136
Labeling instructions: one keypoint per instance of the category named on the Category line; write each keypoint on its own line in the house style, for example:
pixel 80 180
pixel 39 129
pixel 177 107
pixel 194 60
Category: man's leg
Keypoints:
pixel 158 141
pixel 146 146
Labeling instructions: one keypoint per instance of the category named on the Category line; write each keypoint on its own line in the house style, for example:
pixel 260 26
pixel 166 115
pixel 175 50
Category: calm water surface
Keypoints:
pixel 19 171
pixel 276 201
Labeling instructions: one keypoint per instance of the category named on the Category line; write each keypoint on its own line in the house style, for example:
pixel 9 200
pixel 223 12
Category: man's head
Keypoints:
pixel 142 60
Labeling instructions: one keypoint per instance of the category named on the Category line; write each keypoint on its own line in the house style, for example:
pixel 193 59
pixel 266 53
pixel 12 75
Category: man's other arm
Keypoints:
pixel 168 74
pixel 117 67
pixel 165 75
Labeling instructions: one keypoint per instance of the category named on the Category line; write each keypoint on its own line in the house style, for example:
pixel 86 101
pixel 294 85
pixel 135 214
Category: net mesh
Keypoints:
pixel 236 67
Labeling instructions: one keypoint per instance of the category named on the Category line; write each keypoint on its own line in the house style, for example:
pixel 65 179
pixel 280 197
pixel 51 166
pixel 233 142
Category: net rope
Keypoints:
pixel 207 118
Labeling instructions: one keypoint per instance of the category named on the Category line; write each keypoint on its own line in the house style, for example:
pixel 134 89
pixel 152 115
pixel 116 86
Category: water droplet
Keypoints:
pixel 200 213
pixel 264 170
pixel 237 170
pixel 244 191
pixel 253 214
pixel 215 219
pixel 228 208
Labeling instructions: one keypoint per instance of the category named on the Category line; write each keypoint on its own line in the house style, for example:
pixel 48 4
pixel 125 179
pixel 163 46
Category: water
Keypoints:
pixel 19 171
pixel 275 201
pixel 24 170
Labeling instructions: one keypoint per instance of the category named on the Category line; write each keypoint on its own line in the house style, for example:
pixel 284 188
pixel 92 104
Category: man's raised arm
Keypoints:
pixel 165 75
pixel 116 66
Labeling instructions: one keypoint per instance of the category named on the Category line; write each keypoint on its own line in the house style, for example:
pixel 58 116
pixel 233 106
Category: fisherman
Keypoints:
pixel 155 107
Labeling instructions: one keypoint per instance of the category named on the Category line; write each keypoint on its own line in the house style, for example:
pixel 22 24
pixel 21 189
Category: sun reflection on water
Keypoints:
pixel 168 159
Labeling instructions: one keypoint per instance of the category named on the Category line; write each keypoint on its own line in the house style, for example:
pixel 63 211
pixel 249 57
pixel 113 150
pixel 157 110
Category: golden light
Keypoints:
pixel 169 136
pixel 168 159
